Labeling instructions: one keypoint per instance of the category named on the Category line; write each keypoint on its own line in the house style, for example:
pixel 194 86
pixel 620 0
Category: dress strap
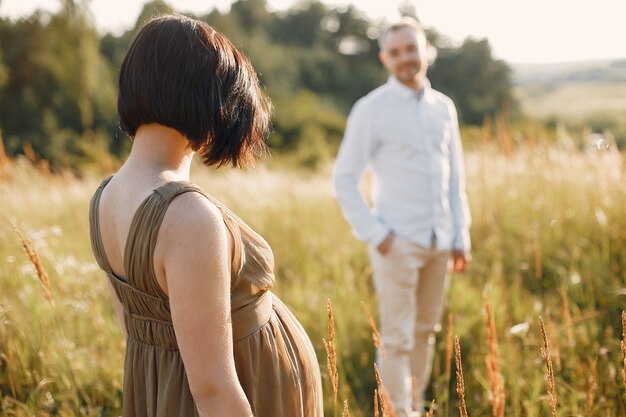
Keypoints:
pixel 143 233
pixel 94 228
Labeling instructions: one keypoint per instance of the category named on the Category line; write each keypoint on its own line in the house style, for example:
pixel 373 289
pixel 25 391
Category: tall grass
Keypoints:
pixel 545 352
pixel 460 381
pixel 494 376
pixel 549 234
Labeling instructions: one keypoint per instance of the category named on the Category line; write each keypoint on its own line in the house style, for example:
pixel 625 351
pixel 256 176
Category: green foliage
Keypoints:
pixel 478 84
pixel 149 10
pixel 58 90
pixel 295 113
pixel 58 75
pixel 4 76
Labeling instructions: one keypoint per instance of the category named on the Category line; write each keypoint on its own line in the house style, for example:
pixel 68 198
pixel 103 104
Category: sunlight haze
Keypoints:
pixel 529 31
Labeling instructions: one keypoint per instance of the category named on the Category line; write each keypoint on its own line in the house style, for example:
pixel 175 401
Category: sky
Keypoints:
pixel 519 31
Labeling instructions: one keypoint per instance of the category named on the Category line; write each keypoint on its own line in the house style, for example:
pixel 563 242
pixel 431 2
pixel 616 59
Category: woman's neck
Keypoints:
pixel 160 151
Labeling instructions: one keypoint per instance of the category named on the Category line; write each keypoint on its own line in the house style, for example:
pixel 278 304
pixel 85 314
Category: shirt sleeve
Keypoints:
pixel 458 196
pixel 354 154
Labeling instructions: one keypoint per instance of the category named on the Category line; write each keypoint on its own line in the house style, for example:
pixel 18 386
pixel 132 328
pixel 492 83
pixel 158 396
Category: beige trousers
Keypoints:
pixel 411 282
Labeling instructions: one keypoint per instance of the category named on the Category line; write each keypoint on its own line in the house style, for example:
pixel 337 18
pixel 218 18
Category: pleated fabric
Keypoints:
pixel 274 358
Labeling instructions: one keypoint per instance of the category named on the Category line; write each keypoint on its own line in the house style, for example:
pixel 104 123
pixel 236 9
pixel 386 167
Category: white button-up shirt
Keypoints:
pixel 411 140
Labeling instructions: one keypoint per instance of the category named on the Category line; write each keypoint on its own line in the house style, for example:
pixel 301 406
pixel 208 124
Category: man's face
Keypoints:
pixel 404 55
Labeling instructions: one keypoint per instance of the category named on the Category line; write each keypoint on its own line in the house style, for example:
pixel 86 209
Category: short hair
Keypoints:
pixel 403 22
pixel 183 74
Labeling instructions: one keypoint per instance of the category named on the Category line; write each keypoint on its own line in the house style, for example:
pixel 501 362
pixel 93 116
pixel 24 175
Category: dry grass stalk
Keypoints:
pixel 44 167
pixel 346 410
pixel 331 353
pixel 493 365
pixel 545 352
pixel 460 383
pixel 593 385
pixel 431 409
pixel 624 348
pixel 376 407
pixel 34 259
pixel 29 152
pixel 503 134
pixel 385 402
pixel 568 319
pixel 375 334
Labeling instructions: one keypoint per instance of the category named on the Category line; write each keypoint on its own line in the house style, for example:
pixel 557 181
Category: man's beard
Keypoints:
pixel 409 72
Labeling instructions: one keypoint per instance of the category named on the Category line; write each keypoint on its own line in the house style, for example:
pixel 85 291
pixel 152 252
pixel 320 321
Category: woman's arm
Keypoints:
pixel 193 251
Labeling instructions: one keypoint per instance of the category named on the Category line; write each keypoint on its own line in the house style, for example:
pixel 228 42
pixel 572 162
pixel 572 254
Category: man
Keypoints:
pixel 409 134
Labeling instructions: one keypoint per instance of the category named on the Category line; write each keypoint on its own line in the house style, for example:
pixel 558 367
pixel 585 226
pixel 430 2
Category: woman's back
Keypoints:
pixel 274 360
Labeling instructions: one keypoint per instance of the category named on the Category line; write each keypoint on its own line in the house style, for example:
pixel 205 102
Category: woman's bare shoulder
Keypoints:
pixel 192 216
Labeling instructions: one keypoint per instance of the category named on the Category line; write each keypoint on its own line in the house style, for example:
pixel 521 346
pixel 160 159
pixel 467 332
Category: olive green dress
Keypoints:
pixel 274 358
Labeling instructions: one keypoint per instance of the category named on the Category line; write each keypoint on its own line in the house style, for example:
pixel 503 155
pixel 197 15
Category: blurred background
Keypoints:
pixel 540 88
pixel 562 63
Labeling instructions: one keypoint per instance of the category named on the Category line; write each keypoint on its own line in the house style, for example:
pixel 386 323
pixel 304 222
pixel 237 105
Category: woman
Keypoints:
pixel 190 281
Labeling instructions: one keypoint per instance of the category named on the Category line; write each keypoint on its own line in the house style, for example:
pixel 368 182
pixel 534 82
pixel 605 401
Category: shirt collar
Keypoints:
pixel 406 91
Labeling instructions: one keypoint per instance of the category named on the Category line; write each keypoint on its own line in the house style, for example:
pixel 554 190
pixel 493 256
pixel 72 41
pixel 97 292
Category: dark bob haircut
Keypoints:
pixel 181 73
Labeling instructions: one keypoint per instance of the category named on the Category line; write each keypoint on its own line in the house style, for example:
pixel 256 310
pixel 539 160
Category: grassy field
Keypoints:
pixel 573 99
pixel 549 234
pixel 599 106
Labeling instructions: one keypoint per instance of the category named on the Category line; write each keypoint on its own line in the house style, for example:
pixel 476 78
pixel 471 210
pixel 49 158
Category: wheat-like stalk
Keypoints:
pixel 381 394
pixel 493 365
pixel 346 410
pixel 34 259
pixel 385 402
pixel 375 334
pixel 545 352
pixel 593 385
pixel 331 353
pixel 460 383
pixel 376 407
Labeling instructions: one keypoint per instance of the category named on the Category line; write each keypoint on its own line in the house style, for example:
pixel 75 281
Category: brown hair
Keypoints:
pixel 183 74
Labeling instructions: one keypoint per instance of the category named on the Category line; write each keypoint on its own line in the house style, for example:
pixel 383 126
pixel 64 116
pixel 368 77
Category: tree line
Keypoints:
pixel 58 76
